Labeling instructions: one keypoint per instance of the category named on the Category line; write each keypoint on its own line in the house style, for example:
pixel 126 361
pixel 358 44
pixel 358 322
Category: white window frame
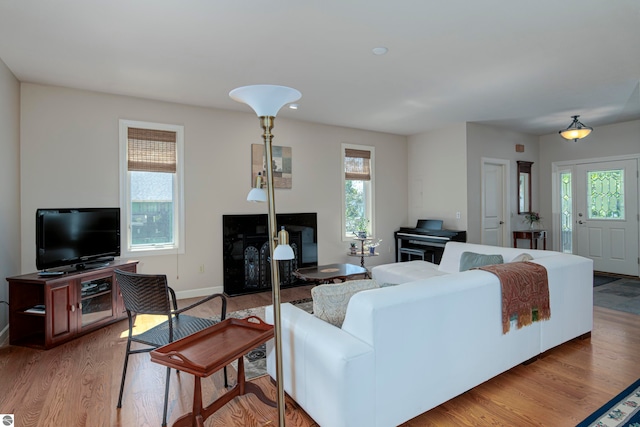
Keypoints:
pixel 346 237
pixel 125 193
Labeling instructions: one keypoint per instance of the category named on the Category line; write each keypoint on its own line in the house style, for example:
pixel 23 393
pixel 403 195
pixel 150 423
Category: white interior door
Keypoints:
pixel 493 203
pixel 606 220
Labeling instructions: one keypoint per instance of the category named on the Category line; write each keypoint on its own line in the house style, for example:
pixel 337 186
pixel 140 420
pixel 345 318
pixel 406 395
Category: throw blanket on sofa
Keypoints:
pixel 525 288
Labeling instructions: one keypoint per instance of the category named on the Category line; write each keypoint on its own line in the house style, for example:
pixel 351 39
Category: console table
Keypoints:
pixel 210 350
pixel 46 311
pixel 532 236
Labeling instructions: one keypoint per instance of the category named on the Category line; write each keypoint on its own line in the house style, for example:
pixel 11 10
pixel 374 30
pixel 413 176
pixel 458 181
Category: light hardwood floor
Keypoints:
pixel 77 384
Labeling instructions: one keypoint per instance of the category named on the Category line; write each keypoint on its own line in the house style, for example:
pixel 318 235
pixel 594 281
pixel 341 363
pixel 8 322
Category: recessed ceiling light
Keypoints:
pixel 379 50
pixel 293 106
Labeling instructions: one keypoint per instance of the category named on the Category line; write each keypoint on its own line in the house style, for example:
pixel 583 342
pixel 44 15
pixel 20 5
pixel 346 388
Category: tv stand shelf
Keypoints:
pixel 68 311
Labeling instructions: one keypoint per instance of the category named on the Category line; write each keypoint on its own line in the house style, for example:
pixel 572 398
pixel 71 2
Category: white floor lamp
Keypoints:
pixel 266 101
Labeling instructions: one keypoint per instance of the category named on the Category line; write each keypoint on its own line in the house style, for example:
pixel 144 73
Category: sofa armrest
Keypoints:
pixel 327 371
pixel 571 297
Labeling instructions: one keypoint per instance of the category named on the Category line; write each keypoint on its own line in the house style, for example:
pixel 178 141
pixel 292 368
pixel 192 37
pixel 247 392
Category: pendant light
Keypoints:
pixel 576 130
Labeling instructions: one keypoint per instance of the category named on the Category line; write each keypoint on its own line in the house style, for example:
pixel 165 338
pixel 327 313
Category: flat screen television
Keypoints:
pixel 76 237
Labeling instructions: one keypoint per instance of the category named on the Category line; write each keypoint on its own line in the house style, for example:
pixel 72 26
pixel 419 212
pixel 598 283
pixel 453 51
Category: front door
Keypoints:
pixel 606 217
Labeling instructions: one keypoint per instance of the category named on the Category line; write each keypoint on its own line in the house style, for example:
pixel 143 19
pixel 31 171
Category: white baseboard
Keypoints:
pixel 202 292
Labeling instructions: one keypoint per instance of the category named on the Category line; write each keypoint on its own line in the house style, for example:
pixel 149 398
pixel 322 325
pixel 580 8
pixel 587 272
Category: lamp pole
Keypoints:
pixel 266 101
pixel 267 124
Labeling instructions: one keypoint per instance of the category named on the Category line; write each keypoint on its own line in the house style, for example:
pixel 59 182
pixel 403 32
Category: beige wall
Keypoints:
pixel 69 158
pixel 605 141
pixel 438 177
pixel 9 187
pixel 445 173
pixel 497 143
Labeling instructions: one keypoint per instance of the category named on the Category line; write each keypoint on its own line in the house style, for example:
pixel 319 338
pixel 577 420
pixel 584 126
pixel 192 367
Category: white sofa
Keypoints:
pixel 405 349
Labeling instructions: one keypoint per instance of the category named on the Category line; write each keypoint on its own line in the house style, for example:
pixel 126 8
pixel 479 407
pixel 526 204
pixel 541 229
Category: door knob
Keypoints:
pixel 501 222
pixel 580 222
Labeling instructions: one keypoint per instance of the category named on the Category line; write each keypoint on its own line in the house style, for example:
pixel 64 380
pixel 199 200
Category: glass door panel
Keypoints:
pixel 566 213
pixel 96 300
pixel 605 194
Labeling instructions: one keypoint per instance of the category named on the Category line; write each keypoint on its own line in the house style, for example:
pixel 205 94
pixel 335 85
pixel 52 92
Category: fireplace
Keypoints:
pixel 245 250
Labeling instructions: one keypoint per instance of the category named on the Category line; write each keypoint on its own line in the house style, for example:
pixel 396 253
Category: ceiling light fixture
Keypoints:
pixel 576 130
pixel 379 50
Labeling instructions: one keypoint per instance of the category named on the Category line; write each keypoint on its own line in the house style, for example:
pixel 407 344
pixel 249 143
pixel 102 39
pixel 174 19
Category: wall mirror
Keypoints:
pixel 524 186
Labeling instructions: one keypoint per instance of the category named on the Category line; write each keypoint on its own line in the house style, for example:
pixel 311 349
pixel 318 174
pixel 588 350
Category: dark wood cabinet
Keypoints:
pixel 48 311
pixel 60 313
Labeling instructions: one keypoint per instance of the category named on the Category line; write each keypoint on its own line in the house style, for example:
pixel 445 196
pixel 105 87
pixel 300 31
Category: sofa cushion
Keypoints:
pixel 330 301
pixel 469 260
pixel 403 272
pixel 522 257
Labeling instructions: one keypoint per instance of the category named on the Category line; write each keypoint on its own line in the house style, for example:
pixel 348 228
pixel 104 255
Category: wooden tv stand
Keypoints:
pixel 74 303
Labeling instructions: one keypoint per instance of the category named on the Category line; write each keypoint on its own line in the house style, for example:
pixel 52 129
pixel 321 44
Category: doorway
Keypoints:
pixel 599 213
pixel 495 201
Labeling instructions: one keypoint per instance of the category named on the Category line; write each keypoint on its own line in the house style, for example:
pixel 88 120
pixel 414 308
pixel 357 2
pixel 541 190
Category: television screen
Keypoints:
pixel 76 236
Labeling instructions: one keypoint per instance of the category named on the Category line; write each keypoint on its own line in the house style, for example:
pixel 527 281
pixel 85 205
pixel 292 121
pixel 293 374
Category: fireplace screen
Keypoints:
pixel 247 266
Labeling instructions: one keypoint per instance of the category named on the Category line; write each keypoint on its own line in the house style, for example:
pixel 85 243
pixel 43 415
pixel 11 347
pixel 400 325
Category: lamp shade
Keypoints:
pixel 576 130
pixel 266 100
pixel 257 195
pixel 283 251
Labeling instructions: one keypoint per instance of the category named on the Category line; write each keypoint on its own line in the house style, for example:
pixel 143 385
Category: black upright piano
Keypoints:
pixel 426 240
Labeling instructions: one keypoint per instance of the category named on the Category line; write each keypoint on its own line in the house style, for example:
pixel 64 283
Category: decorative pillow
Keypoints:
pixel 384 285
pixel 330 301
pixel 522 257
pixel 469 260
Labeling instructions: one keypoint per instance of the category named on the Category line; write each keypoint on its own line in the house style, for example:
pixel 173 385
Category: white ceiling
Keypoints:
pixel 526 66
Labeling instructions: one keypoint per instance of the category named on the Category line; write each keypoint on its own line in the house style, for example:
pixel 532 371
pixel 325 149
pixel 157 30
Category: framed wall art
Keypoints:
pixel 282 176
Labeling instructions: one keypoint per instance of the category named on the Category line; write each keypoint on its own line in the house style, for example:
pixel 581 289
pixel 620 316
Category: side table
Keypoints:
pixel 531 236
pixel 362 253
pixel 210 350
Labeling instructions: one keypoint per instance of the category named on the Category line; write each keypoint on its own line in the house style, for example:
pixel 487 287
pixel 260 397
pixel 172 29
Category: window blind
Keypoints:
pixel 357 164
pixel 150 150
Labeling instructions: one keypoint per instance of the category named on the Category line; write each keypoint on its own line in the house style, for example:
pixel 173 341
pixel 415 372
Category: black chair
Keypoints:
pixel 150 294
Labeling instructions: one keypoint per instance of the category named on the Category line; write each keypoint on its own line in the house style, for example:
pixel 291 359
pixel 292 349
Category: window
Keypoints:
pixel 357 190
pixel 566 212
pixel 151 196
pixel 605 194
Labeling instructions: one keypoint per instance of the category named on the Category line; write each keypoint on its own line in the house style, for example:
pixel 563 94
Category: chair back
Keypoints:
pixel 144 293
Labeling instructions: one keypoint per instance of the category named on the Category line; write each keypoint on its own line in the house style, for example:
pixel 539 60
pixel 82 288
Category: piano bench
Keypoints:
pixel 421 253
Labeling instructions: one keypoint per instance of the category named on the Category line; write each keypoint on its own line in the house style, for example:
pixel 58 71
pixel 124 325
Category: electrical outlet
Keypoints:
pixel 201 268
pixel 457 215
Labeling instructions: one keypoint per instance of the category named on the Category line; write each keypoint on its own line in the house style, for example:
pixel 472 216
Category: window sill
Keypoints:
pixel 152 252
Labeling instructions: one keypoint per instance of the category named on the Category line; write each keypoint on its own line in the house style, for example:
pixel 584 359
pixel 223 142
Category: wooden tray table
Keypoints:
pixel 210 350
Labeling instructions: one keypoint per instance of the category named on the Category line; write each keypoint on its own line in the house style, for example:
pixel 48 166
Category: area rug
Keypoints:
pixel 622 295
pixel 601 279
pixel 621 411
pixel 255 362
